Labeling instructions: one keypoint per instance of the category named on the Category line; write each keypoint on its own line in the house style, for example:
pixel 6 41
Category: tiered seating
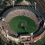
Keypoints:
pixel 20 10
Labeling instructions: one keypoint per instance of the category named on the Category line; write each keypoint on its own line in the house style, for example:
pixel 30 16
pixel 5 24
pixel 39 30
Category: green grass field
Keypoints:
pixel 15 22
pixel 40 42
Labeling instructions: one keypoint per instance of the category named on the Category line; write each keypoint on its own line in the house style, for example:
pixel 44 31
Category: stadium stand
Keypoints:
pixel 31 8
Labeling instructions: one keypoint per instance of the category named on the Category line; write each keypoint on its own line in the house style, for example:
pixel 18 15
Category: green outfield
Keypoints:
pixel 29 24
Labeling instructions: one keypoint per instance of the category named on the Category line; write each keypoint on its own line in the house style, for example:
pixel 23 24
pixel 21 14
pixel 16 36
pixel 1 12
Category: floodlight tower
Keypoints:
pixel 24 0
pixel 32 37
pixel 13 2
pixel 3 19
pixel 35 5
pixel 44 24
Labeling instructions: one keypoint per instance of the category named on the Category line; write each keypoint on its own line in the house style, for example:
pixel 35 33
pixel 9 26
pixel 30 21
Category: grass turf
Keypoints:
pixel 30 25
pixel 40 42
